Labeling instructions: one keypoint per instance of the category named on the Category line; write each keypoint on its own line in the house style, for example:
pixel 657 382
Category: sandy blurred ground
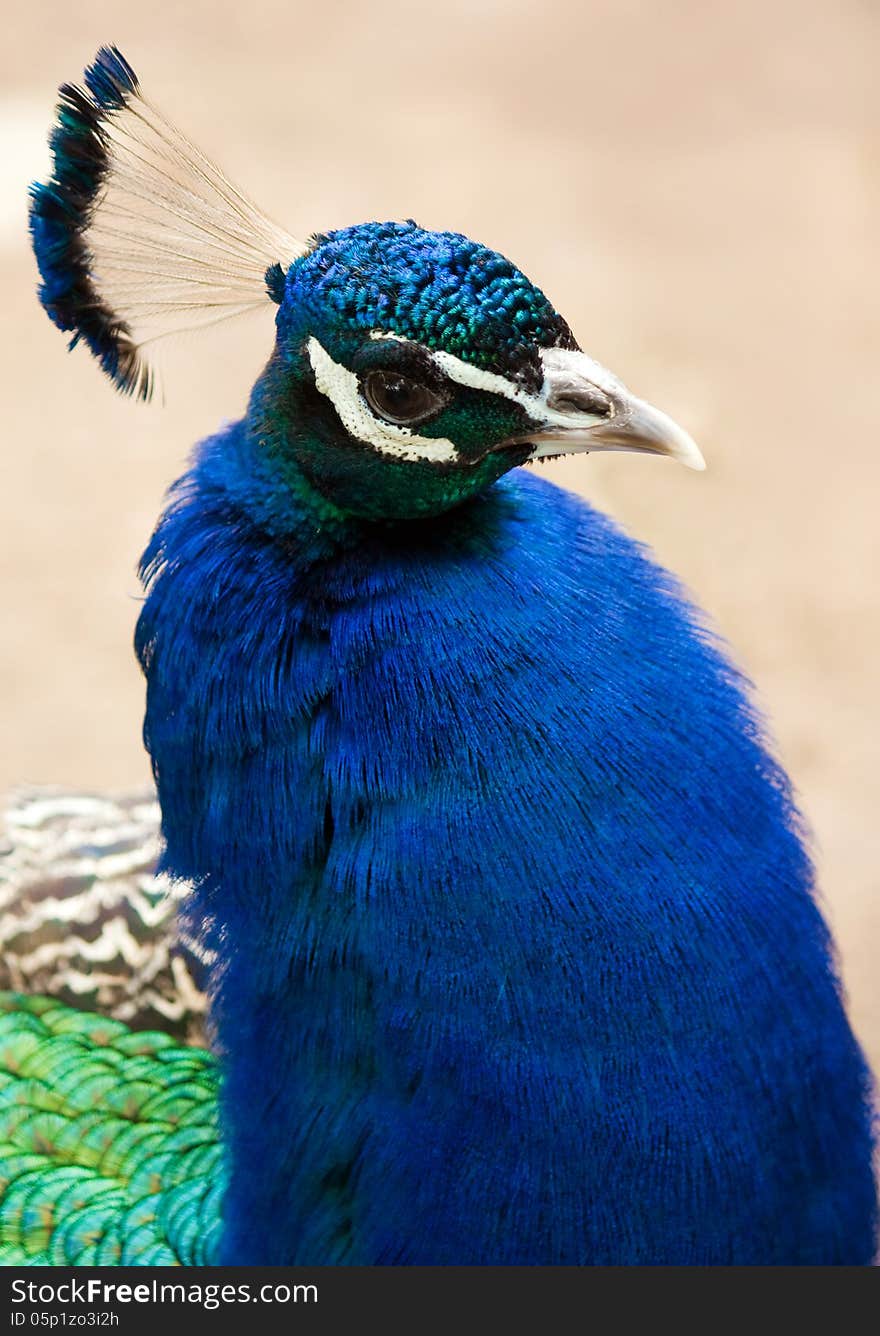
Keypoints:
pixel 695 185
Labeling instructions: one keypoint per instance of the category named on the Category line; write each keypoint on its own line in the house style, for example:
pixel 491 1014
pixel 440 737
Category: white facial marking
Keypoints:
pixel 554 361
pixel 463 373
pixel 341 387
pixel 627 423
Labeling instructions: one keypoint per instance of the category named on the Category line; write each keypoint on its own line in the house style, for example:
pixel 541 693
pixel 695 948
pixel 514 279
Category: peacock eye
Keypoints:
pixel 400 399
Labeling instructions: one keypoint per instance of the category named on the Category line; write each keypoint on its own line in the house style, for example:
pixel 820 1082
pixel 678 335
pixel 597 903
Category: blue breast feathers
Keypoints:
pixel 541 976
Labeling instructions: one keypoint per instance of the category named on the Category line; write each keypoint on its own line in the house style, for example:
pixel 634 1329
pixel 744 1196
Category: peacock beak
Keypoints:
pixel 583 407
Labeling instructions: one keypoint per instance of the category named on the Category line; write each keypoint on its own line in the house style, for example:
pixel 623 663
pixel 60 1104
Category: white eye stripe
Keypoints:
pixel 341 387
pixel 463 373
pixel 535 405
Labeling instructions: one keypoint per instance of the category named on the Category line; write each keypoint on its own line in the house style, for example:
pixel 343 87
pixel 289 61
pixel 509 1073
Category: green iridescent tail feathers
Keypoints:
pixel 109 1153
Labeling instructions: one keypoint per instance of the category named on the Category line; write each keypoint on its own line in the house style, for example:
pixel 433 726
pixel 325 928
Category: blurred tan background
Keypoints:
pixel 695 186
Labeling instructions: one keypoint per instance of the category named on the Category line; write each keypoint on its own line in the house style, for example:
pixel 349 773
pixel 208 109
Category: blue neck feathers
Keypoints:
pixel 519 959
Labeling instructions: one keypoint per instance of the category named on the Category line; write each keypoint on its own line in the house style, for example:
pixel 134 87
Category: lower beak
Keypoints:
pixel 583 408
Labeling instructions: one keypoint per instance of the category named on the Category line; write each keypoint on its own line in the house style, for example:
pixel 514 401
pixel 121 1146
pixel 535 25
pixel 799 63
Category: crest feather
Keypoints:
pixel 137 233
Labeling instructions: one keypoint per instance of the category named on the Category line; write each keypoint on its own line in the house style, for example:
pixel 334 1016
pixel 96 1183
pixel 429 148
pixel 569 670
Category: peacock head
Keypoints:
pixel 420 366
pixel 411 368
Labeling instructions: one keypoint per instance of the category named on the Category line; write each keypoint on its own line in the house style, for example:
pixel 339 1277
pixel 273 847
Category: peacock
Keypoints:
pixel 514 950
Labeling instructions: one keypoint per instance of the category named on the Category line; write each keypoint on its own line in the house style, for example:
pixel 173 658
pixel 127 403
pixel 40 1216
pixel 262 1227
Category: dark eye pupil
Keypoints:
pixel 399 399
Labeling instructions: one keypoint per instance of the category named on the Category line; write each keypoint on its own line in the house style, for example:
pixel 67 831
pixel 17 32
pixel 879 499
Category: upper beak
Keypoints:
pixel 582 407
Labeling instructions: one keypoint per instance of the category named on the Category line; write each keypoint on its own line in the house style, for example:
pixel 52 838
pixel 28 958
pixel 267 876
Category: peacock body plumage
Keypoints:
pixel 108 1142
pixel 541 1024
pixel 517 953
pixel 85 919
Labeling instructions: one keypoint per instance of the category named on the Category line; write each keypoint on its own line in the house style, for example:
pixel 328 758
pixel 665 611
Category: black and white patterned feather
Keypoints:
pixel 83 916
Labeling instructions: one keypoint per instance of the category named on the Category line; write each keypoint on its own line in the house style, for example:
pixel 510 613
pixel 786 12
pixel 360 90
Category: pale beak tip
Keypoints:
pixel 660 434
pixel 692 458
pixel 585 408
